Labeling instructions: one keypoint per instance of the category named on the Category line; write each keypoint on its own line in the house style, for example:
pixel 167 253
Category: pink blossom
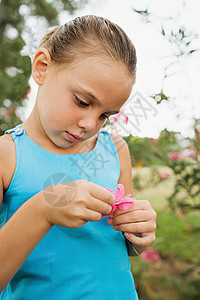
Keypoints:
pixel 153 140
pixel 7 114
pixel 164 175
pixel 189 147
pixel 122 202
pixel 192 154
pixel 150 255
pixel 181 213
pixel 176 155
pixel 26 95
pixel 119 115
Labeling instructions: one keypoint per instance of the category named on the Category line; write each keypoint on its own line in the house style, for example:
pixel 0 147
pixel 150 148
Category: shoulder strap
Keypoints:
pixel 15 132
pixel 13 129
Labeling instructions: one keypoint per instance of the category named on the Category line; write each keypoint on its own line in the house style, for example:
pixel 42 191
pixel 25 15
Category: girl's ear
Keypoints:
pixel 40 65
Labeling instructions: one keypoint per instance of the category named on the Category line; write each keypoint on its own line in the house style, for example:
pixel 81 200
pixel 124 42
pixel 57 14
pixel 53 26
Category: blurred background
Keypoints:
pixel 160 121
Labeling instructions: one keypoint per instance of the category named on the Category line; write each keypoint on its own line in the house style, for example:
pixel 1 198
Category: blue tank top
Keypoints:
pixel 87 263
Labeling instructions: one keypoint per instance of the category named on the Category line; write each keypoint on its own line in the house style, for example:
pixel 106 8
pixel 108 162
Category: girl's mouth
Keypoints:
pixel 73 138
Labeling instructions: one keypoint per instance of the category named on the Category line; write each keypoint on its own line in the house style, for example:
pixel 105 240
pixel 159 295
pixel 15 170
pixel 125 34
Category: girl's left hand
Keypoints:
pixel 140 218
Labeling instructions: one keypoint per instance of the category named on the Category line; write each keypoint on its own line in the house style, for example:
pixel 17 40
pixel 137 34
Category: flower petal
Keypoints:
pixel 119 191
pixel 122 202
pixel 125 205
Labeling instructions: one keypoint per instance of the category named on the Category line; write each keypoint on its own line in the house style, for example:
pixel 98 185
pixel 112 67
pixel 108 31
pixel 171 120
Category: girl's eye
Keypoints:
pixel 81 102
pixel 103 117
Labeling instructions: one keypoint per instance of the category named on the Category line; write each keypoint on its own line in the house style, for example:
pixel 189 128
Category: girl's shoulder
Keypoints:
pixel 120 144
pixel 122 149
pixel 7 160
pixel 118 140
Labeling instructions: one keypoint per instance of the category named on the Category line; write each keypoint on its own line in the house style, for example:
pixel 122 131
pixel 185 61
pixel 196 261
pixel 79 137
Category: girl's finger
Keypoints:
pixel 91 215
pixel 101 193
pixel 98 206
pixel 142 205
pixel 143 241
pixel 132 216
pixel 139 227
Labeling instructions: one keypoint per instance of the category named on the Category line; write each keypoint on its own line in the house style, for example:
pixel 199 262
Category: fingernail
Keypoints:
pixel 110 221
pixel 115 227
pixel 127 234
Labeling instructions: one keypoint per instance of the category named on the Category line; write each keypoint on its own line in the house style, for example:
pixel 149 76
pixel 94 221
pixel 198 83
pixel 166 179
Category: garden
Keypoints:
pixel 169 178
pixel 166 169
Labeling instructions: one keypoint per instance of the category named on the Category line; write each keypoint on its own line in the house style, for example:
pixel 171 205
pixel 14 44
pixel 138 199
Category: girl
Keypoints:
pixel 55 168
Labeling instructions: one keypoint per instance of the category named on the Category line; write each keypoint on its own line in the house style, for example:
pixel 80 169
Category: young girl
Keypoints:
pixel 55 168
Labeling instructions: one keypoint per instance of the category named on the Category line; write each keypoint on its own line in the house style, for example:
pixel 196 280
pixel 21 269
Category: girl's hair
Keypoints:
pixel 92 36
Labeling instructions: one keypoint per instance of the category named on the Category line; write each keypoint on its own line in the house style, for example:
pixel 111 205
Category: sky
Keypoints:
pixel 154 52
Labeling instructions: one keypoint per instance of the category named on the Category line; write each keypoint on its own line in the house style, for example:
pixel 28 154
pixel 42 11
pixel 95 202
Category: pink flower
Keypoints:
pixel 122 202
pixel 153 140
pixel 26 95
pixel 150 255
pixel 192 154
pixel 175 155
pixel 8 114
pixel 119 115
pixel 164 175
pixel 181 213
pixel 189 147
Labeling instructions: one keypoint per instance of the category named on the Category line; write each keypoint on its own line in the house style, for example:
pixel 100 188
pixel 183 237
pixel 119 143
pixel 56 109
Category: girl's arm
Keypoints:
pixel 125 165
pixel 140 218
pixel 19 236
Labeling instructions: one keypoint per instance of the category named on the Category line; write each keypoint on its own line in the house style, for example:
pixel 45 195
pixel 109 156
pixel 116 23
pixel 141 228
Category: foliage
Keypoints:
pixel 185 162
pixel 15 68
pixel 176 274
pixel 187 185
pixel 180 155
pixel 186 168
pixel 151 152
pixel 143 151
pixel 183 42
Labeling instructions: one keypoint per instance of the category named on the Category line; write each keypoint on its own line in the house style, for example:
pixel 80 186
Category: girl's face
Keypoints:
pixel 74 102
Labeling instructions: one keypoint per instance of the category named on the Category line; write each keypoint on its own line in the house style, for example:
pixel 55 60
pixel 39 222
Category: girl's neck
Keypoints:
pixel 34 129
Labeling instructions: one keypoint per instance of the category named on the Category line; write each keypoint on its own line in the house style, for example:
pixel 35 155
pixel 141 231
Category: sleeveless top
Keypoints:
pixel 89 262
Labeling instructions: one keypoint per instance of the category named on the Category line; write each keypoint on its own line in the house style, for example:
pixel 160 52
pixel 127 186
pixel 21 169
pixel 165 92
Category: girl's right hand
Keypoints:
pixel 75 203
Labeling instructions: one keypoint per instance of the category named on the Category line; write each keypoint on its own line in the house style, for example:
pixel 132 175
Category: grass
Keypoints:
pixel 175 275
pixel 178 237
pixel 156 195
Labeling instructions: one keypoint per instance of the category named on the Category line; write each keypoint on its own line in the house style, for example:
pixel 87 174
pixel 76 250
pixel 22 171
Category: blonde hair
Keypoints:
pixel 92 36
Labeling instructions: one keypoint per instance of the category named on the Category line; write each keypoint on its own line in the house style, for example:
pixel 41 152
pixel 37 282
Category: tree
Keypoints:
pixel 185 164
pixel 15 68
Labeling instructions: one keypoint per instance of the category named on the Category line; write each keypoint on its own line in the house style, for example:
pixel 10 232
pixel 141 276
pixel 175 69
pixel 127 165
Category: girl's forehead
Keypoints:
pixel 101 77
pixel 86 64
pixel 104 76
pixel 104 69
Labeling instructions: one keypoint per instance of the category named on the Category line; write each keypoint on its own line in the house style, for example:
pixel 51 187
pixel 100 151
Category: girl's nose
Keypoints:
pixel 88 123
